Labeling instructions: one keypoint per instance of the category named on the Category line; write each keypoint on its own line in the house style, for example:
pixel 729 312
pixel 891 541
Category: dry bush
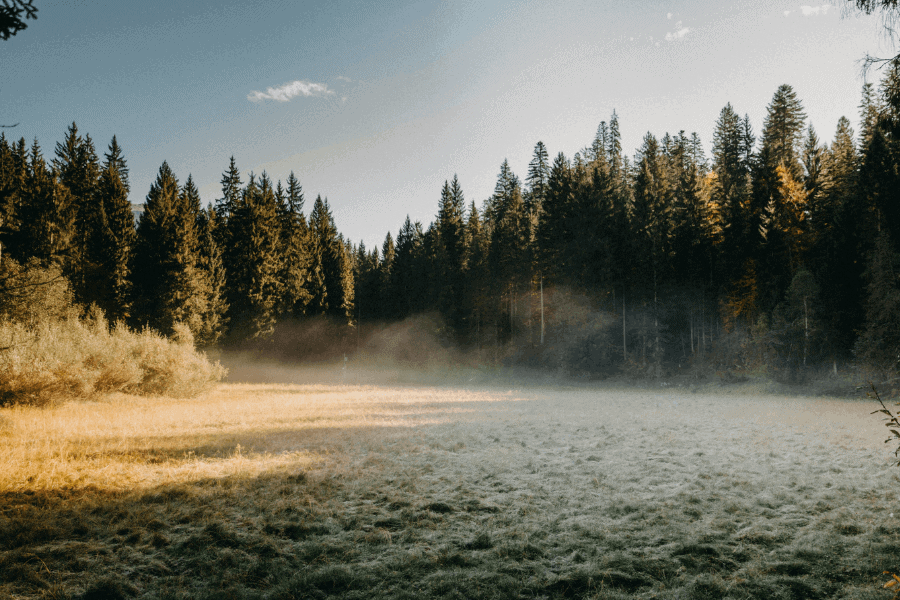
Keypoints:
pixel 73 357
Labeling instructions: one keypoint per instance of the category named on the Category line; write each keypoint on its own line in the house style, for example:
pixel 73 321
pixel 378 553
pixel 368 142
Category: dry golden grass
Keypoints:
pixel 126 442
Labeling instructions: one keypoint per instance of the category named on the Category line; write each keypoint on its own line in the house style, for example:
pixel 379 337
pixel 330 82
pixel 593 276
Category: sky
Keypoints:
pixel 375 104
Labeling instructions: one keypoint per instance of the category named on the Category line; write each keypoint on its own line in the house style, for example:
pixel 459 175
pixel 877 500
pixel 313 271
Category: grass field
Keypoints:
pixel 399 491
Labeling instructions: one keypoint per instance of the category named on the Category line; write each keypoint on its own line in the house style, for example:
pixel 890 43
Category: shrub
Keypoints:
pixel 80 357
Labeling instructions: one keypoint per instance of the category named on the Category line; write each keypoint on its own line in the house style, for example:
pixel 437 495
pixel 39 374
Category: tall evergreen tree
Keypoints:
pixel 778 172
pixel 652 213
pixel 46 214
pixel 538 177
pixel 836 259
pixel 79 170
pixel 554 227
pixel 387 308
pixel 115 238
pixel 332 287
pixel 211 268
pixel 231 191
pixel 293 249
pixel 783 132
pixel 450 229
pixel 165 274
pixel 252 261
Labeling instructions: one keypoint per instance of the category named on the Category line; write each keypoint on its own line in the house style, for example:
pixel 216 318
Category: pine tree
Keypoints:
pixel 46 214
pixel 869 109
pixel 838 258
pixel 477 275
pixel 165 278
pixel 332 285
pixel 252 261
pixel 783 131
pixel 338 276
pixel 450 230
pixel 211 268
pixel 731 191
pixel 778 171
pixel 293 250
pixel 554 226
pixel 115 239
pixel 537 180
pixel 816 178
pixel 231 191
pixel 407 286
pixel 509 249
pixel 387 308
pixel 652 213
pixel 79 170
pixel 367 289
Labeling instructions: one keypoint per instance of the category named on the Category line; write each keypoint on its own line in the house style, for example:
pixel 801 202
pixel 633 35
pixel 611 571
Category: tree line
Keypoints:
pixel 779 249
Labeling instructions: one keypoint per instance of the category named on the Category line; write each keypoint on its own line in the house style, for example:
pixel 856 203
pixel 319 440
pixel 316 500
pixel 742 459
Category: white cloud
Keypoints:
pixel 787 12
pixel 285 92
pixel 677 35
pixel 342 78
pixel 814 10
pixel 668 15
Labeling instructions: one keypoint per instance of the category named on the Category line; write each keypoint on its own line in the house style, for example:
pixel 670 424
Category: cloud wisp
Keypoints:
pixel 286 92
pixel 810 11
pixel 678 34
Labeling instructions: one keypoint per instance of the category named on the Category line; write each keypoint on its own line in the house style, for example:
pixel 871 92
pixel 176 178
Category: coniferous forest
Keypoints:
pixel 779 252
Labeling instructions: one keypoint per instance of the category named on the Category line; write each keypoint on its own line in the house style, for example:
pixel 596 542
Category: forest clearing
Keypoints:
pixel 411 491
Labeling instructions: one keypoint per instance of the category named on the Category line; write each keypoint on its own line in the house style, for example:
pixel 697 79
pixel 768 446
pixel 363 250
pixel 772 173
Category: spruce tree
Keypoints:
pixel 332 277
pixel 387 308
pixel 231 191
pixel 554 227
pixel 538 177
pixel 211 270
pixel 165 277
pixel 293 249
pixel 252 261
pixel 783 131
pixel 46 215
pixel 450 230
pixel 652 214
pixel 115 239
pixel 79 170
pixel 509 250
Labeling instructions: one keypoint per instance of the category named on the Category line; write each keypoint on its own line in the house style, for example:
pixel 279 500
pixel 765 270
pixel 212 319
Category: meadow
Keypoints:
pixel 346 490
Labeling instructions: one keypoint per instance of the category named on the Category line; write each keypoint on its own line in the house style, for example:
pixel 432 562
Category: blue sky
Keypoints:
pixel 375 104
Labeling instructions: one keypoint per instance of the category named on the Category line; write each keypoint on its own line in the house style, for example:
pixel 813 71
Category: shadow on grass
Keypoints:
pixel 309 535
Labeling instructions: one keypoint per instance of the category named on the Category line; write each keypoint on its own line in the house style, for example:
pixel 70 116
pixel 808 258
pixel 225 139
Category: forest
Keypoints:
pixel 776 254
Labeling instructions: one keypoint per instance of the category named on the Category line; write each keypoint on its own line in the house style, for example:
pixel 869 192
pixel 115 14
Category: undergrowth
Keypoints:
pixel 44 361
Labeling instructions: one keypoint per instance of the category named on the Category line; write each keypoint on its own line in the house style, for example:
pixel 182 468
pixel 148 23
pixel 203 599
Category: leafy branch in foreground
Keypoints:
pixel 893 423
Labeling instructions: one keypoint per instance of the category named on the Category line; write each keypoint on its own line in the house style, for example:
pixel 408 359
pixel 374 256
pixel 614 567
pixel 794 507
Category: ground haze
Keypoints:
pixel 401 491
